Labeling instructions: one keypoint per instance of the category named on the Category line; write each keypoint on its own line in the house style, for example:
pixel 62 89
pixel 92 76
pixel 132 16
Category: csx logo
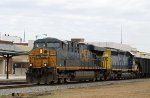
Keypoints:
pixel 40 57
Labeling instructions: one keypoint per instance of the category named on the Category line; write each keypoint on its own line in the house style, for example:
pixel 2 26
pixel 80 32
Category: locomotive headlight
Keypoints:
pixel 30 65
pixel 45 64
pixel 41 51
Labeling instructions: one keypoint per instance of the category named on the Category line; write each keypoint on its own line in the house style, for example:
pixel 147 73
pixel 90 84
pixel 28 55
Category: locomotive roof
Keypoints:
pixel 120 51
pixel 48 39
pixel 92 47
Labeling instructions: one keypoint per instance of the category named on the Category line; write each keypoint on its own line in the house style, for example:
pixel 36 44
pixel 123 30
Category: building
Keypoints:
pixel 17 64
pixel 14 39
pixel 31 43
pixel 20 63
pixel 4 45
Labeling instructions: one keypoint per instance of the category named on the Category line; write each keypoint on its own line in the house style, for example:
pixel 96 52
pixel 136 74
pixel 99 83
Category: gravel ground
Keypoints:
pixel 64 86
pixel 122 90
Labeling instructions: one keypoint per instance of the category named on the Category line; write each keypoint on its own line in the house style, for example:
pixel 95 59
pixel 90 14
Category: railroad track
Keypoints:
pixel 25 84
pixel 10 85
pixel 29 88
pixel 15 85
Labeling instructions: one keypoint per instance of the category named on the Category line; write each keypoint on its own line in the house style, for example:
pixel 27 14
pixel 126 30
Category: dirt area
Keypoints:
pixel 125 90
pixel 122 90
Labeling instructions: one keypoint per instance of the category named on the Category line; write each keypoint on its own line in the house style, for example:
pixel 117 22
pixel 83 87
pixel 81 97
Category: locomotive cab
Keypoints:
pixel 44 54
pixel 43 60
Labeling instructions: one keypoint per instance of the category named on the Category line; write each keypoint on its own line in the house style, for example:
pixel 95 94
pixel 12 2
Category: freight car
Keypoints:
pixel 52 60
pixel 143 65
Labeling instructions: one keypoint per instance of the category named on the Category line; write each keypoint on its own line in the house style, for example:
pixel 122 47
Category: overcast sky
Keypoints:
pixel 94 20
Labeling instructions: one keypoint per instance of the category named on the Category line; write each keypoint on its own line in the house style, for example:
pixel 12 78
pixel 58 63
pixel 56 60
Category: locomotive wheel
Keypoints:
pixel 52 82
pixel 46 83
pixel 60 81
pixel 29 78
pixel 93 80
pixel 38 83
pixel 65 80
pixel 106 77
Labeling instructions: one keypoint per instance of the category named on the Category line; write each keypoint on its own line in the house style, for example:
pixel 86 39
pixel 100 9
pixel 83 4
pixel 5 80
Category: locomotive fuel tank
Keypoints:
pixel 83 75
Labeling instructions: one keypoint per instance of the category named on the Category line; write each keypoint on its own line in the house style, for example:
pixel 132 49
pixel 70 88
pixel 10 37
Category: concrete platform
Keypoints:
pixel 12 78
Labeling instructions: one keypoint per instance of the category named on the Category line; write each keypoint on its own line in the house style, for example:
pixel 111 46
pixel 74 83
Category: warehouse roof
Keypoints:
pixel 141 54
pixel 112 45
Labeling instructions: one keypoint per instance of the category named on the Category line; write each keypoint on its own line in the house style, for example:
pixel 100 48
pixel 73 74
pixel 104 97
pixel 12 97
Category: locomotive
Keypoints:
pixel 53 60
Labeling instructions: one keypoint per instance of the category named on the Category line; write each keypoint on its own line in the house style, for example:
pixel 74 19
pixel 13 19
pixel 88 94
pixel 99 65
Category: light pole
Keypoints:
pixel 121 33
pixel 40 35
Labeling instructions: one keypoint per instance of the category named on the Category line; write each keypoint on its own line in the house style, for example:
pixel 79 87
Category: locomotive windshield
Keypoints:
pixel 37 45
pixel 53 45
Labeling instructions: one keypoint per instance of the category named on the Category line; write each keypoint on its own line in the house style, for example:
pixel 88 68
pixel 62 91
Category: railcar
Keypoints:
pixel 143 65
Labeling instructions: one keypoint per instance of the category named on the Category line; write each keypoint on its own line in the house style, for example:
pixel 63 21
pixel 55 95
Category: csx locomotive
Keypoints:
pixel 52 60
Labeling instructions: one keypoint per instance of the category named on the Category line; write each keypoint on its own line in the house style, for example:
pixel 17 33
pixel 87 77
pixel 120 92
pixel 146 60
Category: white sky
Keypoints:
pixel 94 20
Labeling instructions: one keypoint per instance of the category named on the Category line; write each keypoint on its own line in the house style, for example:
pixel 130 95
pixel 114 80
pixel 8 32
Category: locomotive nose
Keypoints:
pixel 42 57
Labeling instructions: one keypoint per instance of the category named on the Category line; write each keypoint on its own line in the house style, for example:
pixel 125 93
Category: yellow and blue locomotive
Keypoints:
pixel 52 60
